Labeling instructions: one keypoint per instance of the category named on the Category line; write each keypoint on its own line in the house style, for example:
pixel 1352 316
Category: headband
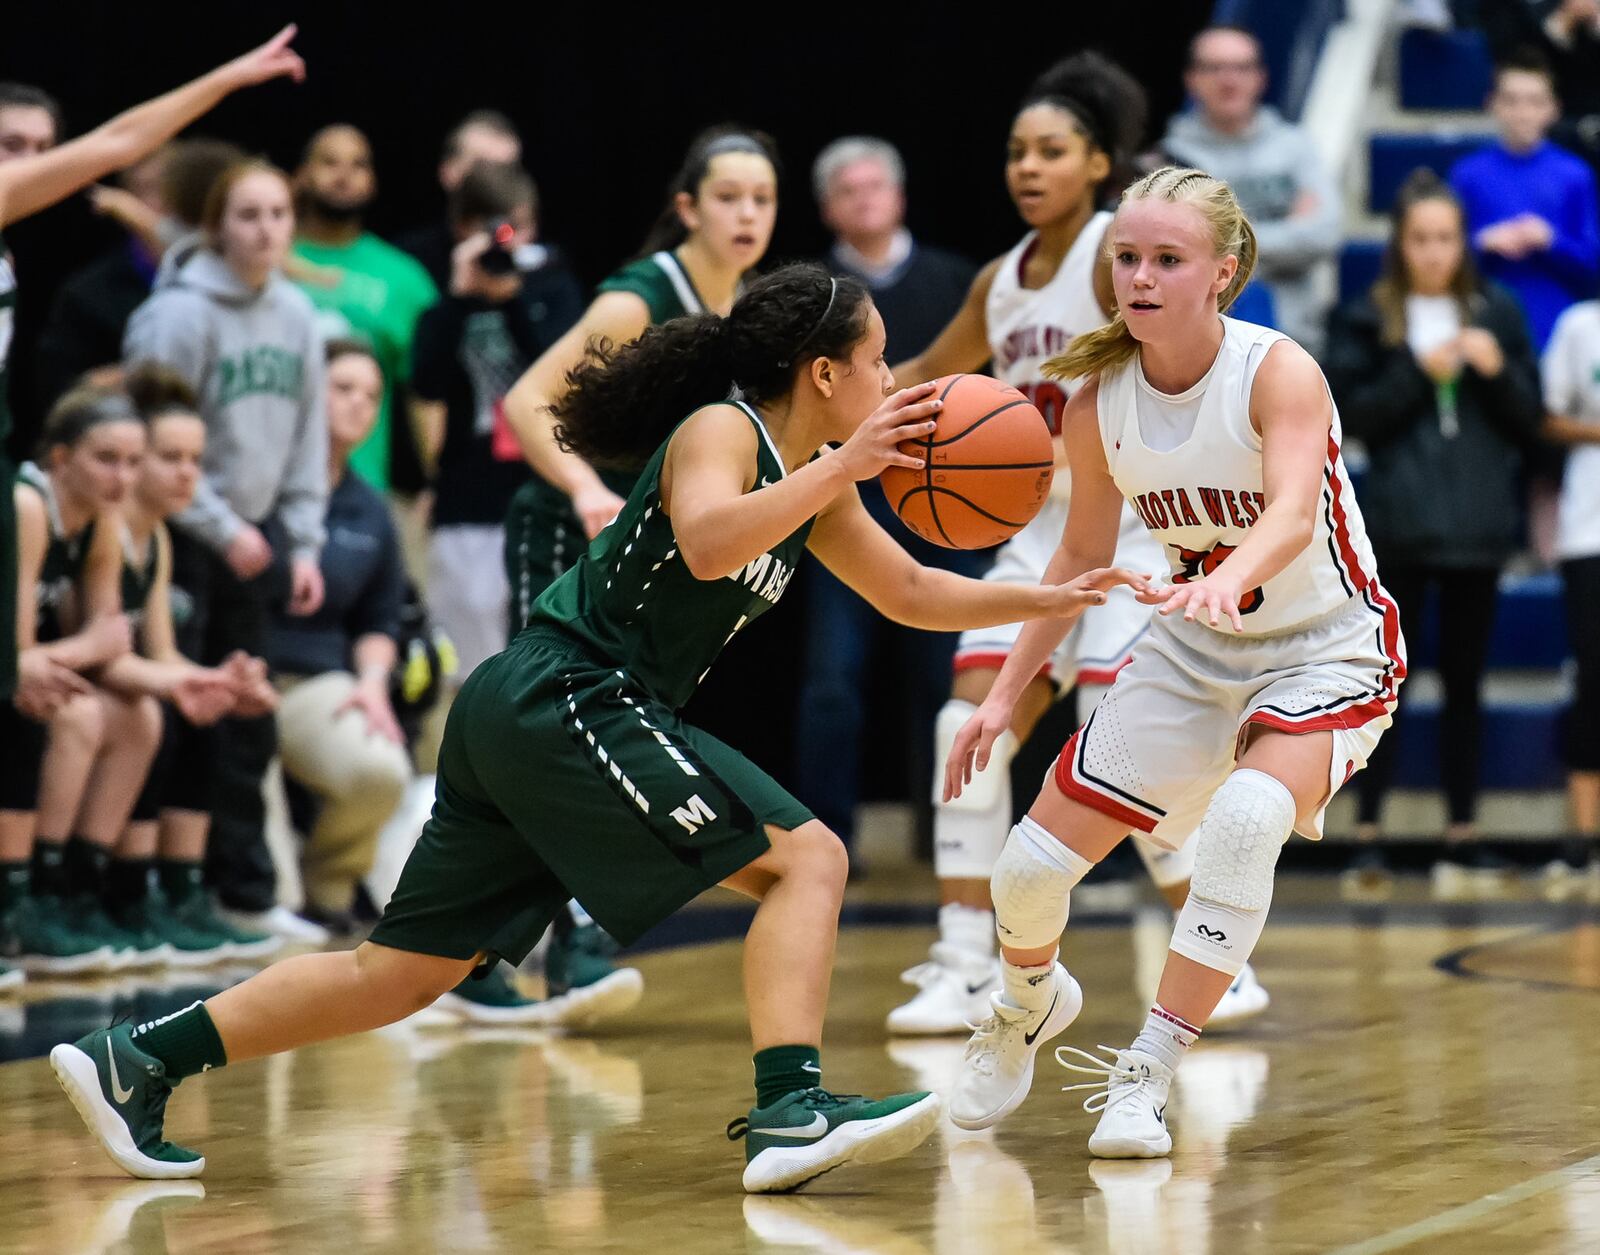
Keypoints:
pixel 833 292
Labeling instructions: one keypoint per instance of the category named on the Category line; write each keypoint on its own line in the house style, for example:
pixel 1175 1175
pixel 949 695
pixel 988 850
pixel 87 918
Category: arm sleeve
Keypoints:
pixel 1574 254
pixel 303 499
pixel 1298 241
pixel 170 328
pixel 379 607
pixel 1381 391
pixel 1513 395
pixel 434 361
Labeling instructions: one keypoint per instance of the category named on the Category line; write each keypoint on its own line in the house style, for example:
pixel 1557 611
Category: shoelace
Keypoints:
pixel 983 1041
pixel 1111 1073
pixel 814 1098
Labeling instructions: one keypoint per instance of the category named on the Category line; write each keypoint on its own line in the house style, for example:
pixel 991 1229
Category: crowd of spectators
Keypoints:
pixel 330 373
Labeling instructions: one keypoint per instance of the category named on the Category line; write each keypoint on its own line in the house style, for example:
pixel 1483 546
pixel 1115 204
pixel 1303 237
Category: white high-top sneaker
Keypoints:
pixel 954 992
pixel 1244 1000
pixel 997 1071
pixel 1131 1097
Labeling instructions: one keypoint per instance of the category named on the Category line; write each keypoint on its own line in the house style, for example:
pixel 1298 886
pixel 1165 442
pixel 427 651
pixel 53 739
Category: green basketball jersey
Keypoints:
pixel 632 602
pixel 662 282
pixel 138 575
pixel 61 576
pixel 8 311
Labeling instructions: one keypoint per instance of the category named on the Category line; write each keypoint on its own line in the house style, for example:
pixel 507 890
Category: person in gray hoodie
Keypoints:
pixel 223 317
pixel 1271 166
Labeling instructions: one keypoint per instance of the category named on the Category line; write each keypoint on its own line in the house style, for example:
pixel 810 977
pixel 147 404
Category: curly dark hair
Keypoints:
pixel 668 231
pixel 1106 101
pixel 621 403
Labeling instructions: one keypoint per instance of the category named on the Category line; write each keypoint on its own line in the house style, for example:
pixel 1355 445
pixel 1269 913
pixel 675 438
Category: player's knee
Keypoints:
pixel 135 721
pixel 80 722
pixel 1031 886
pixel 826 860
pixel 1236 856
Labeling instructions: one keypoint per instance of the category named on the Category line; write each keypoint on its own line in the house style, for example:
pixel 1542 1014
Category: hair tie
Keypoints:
pixel 833 292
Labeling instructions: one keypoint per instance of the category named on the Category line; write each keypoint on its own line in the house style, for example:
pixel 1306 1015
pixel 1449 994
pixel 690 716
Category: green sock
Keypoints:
pixel 128 882
pixel 180 878
pixel 185 1041
pixel 781 1070
pixel 14 881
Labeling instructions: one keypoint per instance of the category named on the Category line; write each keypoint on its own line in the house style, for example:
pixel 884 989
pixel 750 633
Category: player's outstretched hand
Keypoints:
pixel 273 59
pixel 1090 588
pixel 1213 597
pixel 907 415
pixel 972 747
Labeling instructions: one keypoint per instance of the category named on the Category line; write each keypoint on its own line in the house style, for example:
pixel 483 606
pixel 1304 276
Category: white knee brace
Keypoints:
pixel 1236 851
pixel 969 831
pixel 1032 879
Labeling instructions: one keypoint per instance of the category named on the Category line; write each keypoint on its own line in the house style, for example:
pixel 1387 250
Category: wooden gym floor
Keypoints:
pixel 1426 1079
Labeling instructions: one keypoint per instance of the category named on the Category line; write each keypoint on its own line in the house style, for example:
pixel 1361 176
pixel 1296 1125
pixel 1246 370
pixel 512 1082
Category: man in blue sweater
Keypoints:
pixel 1531 206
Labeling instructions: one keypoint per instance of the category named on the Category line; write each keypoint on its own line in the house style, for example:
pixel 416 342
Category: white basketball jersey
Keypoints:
pixel 1029 326
pixel 1200 499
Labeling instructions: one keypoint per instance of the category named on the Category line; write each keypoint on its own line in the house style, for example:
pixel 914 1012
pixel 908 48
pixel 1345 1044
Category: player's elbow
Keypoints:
pixel 702 556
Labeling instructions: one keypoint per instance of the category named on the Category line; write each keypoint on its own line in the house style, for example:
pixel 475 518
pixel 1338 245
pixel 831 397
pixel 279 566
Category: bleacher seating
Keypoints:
pixel 1444 69
pixel 1393 157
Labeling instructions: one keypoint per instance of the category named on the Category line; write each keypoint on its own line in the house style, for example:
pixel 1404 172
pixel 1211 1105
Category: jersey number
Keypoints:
pixel 1049 399
pixel 1198 563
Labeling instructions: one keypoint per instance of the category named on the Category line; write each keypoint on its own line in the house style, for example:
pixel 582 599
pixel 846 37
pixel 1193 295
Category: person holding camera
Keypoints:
pixel 509 300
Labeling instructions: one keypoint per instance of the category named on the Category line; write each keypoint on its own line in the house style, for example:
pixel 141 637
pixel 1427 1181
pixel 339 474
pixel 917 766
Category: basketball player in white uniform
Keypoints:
pixel 1078 122
pixel 1266 679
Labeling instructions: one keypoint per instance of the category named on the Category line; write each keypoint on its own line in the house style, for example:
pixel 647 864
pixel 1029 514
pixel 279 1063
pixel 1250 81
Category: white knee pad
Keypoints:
pixel 1236 852
pixel 1032 879
pixel 969 831
pixel 1166 867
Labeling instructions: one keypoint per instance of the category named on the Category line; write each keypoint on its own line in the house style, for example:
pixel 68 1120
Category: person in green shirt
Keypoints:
pixel 364 288
pixel 566 768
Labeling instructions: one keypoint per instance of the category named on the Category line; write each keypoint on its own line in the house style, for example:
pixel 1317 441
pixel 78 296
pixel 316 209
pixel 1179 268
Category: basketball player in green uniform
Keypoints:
pixel 39 684
pixel 565 769
pixel 713 230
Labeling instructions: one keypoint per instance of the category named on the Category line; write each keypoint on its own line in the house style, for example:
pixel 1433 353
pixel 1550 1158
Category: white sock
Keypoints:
pixel 1030 988
pixel 1165 1036
pixel 969 928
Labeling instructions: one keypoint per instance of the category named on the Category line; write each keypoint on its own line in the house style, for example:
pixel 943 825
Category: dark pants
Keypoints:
pixel 1582 578
pixel 844 636
pixel 226 613
pixel 1466 619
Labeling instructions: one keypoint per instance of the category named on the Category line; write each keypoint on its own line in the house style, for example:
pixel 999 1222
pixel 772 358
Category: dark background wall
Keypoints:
pixel 606 103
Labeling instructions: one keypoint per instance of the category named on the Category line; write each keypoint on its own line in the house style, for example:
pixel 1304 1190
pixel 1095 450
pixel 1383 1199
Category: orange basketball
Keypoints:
pixel 989 466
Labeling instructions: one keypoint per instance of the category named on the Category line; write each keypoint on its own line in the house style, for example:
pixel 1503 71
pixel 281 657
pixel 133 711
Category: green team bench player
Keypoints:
pixel 565 770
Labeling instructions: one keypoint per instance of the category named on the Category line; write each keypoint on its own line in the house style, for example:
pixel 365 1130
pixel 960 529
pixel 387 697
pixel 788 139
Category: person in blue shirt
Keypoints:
pixel 1531 206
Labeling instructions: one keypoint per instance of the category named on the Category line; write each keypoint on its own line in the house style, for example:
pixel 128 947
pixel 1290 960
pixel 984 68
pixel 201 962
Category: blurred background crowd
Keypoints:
pixel 325 525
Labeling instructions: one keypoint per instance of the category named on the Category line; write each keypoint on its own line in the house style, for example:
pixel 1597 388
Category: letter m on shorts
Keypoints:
pixel 693 813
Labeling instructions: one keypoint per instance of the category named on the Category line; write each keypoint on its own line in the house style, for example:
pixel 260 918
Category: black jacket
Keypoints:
pixel 1433 498
pixel 88 318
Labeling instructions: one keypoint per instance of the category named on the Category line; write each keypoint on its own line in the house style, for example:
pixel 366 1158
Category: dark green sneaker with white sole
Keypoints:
pixel 810 1131
pixel 122 1093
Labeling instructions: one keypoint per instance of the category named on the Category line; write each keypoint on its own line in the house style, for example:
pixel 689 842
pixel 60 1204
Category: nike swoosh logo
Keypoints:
pixel 981 985
pixel 117 1092
pixel 817 1127
pixel 1162 1115
pixel 1027 1038
pixel 811 1067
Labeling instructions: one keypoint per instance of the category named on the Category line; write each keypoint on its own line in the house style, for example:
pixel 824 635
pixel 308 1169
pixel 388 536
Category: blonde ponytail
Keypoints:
pixel 1113 345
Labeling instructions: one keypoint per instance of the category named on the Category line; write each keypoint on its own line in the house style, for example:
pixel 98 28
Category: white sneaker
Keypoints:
pixel 281 922
pixel 954 993
pixel 1244 1000
pixel 997 1070
pixel 1131 1097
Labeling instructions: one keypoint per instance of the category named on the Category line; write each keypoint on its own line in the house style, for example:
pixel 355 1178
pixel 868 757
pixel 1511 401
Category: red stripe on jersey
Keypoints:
pixel 1341 525
pixel 989 660
pixel 1101 675
pixel 1079 791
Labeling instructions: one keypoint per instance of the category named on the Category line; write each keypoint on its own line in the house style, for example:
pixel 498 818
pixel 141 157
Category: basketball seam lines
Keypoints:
pixel 965 431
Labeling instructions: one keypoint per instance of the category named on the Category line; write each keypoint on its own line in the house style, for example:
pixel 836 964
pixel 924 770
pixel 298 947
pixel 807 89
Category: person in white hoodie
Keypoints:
pixel 223 316
pixel 1272 167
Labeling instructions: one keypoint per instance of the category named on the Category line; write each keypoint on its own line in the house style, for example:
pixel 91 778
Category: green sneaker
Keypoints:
pixel 186 946
pixel 37 939
pixel 584 985
pixel 121 1093
pixel 199 914
pixel 86 915
pixel 11 977
pixel 490 999
pixel 810 1131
